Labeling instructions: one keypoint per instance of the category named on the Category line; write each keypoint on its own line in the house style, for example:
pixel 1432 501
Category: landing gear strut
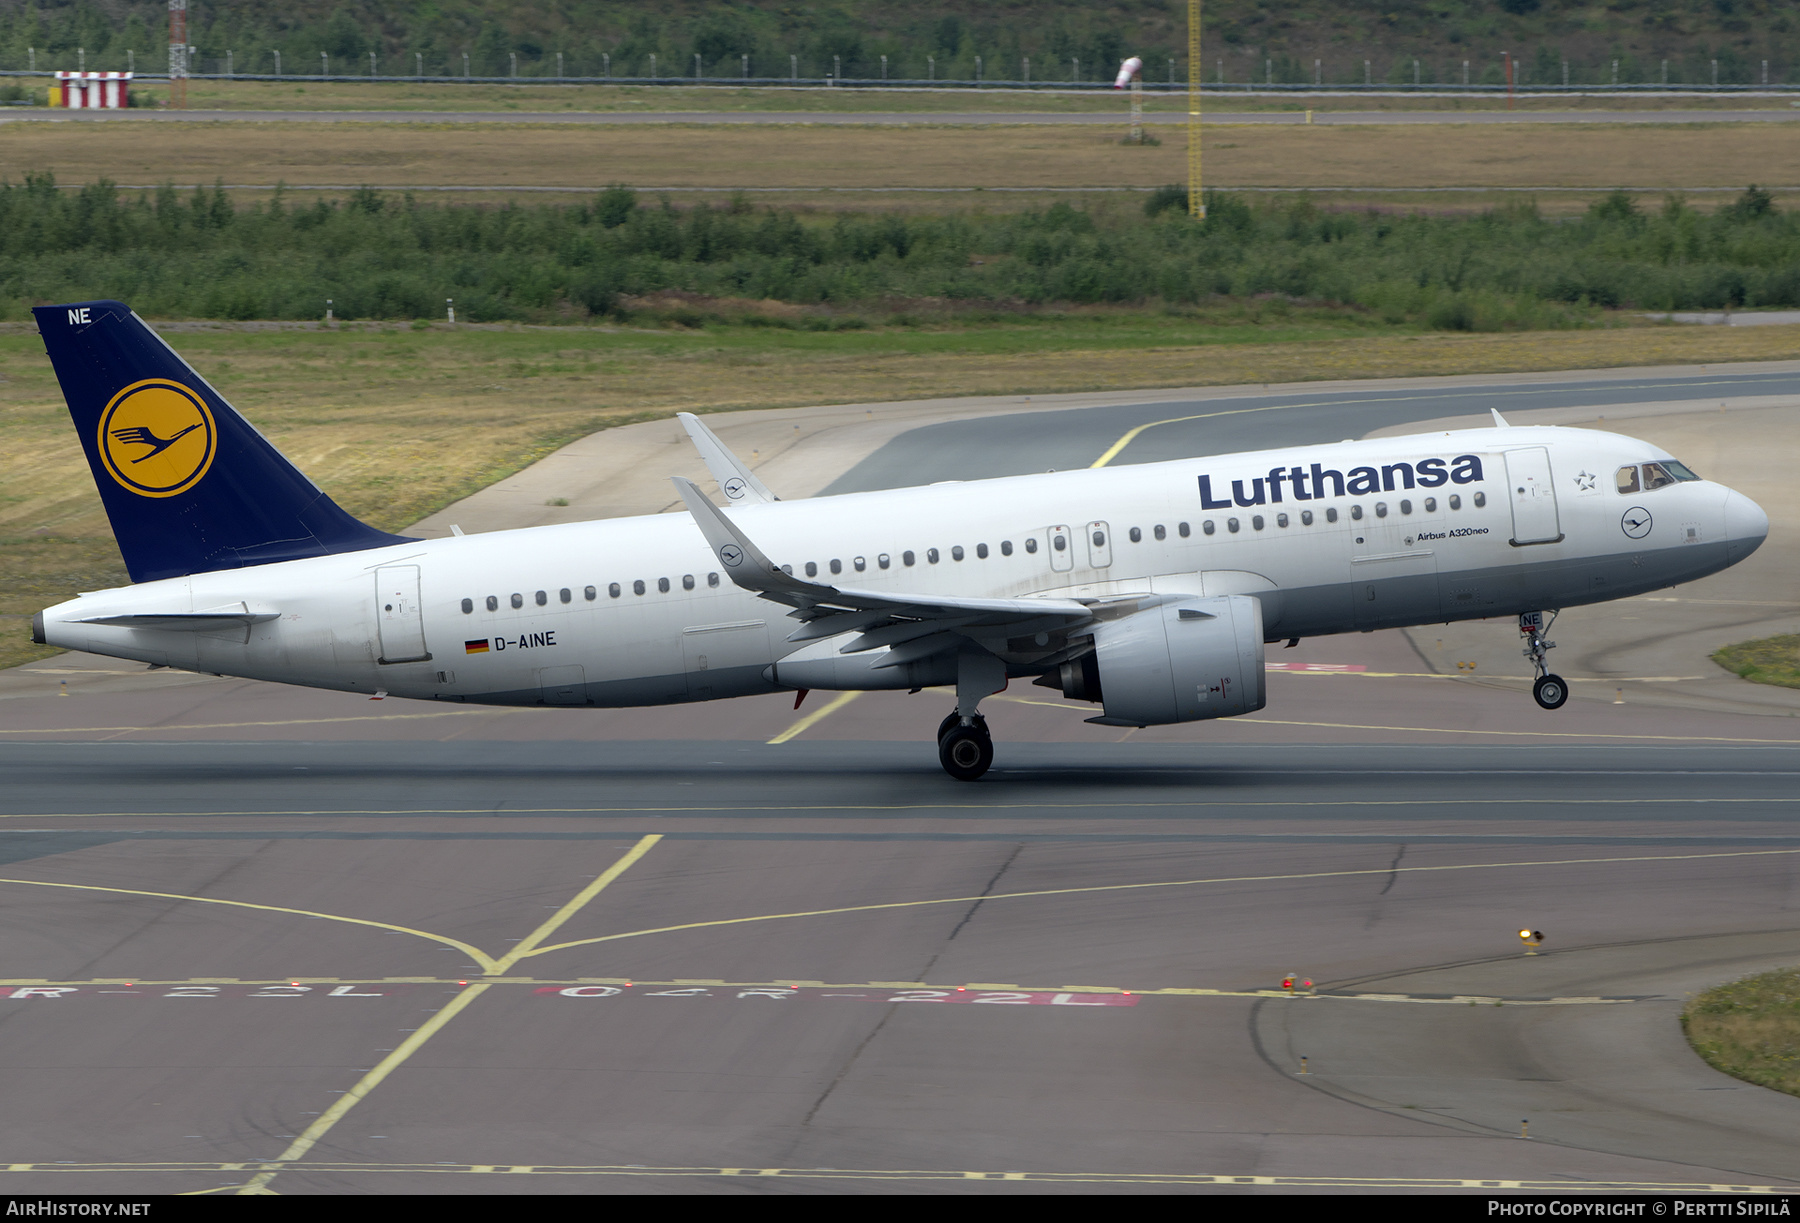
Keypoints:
pixel 1549 690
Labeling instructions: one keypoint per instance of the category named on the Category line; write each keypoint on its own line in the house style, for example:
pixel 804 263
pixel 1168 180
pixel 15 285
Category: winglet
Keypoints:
pixel 1499 420
pixel 743 562
pixel 736 481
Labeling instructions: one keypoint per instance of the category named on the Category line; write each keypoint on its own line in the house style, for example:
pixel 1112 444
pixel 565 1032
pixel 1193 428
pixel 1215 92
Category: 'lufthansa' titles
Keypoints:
pixel 1317 482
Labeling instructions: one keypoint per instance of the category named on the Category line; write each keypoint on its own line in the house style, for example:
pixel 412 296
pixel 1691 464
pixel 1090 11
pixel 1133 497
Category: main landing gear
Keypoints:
pixel 1550 691
pixel 965 748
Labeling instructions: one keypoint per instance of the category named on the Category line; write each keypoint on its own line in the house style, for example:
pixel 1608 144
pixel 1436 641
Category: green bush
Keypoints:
pixel 391 256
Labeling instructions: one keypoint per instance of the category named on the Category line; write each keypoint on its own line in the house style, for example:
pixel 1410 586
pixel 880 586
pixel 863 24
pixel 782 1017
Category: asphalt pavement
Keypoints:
pixel 261 939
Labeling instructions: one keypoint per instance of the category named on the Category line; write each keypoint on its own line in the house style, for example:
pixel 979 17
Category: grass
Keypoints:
pixel 505 157
pixel 1750 1029
pixel 1772 660
pixel 397 422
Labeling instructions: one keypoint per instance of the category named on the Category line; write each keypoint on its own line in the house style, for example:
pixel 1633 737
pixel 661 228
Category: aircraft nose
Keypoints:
pixel 1746 525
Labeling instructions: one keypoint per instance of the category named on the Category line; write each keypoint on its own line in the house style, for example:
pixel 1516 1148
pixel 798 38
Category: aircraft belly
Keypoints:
pixel 633 692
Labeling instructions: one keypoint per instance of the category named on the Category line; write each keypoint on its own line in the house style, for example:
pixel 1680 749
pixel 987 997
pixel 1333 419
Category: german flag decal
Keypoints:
pixel 476 647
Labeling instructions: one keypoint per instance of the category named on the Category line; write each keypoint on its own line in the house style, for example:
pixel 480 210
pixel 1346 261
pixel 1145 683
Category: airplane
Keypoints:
pixel 1149 590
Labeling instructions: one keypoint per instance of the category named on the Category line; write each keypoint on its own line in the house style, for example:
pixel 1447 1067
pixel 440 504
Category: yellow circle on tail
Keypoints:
pixel 157 438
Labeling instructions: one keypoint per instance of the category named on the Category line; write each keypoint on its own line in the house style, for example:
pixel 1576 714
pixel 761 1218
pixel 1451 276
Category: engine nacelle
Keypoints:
pixel 1180 662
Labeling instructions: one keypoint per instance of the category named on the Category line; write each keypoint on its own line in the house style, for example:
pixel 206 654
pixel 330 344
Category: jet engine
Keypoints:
pixel 1180 662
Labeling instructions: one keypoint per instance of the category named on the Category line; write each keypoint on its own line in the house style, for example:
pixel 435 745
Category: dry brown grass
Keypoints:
pixel 502 156
pixel 302 93
pixel 397 423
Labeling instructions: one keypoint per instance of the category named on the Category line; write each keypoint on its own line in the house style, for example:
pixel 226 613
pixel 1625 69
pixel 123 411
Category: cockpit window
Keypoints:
pixel 1654 476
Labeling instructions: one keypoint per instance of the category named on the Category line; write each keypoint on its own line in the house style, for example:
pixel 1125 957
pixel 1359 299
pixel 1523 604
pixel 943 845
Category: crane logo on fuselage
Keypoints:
pixel 1319 482
pixel 157 438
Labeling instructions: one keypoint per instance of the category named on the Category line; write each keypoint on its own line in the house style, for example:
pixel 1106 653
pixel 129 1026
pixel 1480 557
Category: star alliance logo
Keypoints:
pixel 1584 480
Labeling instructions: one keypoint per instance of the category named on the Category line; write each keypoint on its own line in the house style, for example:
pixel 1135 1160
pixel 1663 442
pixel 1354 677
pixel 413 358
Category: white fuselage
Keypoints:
pixel 634 611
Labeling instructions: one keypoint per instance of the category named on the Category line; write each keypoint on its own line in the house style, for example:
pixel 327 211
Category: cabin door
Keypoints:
pixel 1533 496
pixel 397 613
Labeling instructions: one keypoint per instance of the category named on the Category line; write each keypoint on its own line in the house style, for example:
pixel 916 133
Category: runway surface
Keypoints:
pixel 968 118
pixel 743 948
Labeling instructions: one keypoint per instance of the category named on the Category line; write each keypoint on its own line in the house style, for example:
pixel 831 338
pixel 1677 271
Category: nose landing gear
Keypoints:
pixel 1550 691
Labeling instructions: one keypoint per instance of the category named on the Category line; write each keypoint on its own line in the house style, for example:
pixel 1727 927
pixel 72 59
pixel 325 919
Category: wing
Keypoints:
pixel 1033 631
pixel 736 481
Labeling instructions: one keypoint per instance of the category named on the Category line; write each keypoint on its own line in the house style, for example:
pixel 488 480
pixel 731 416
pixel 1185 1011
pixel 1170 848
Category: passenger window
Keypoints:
pixel 637 587
pixel 589 593
pixel 1059 543
pixel 1006 547
pixel 1161 532
pixel 1031 544
pixel 687 581
pixel 788 569
pixel 662 585
pixel 1099 539
pixel 493 604
pixel 1281 520
pixel 1627 479
pixel 612 591
pixel 1136 536
pixel 837 566
pixel 468 606
pixel 1356 513
pixel 906 558
pixel 1480 500
pixel 1208 527
pixel 1406 507
pixel 518 601
pixel 931 554
pixel 860 564
pixel 1306 518
pixel 812 569
pixel 1381 509
pixel 564 594
pixel 1431 505
pixel 1331 513
pixel 712 579
pixel 981 551
pixel 1256 521
pixel 1455 501
pixel 956 553
pixel 1231 524
pixel 882 560
pixel 1181 529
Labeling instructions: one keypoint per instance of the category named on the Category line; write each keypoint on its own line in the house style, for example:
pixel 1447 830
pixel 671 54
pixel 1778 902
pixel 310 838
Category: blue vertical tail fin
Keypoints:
pixel 189 485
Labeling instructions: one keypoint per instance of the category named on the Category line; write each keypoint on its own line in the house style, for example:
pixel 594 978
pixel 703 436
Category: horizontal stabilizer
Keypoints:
pixel 193 622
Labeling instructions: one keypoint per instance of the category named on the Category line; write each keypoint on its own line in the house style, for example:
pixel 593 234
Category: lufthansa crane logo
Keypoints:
pixel 157 438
